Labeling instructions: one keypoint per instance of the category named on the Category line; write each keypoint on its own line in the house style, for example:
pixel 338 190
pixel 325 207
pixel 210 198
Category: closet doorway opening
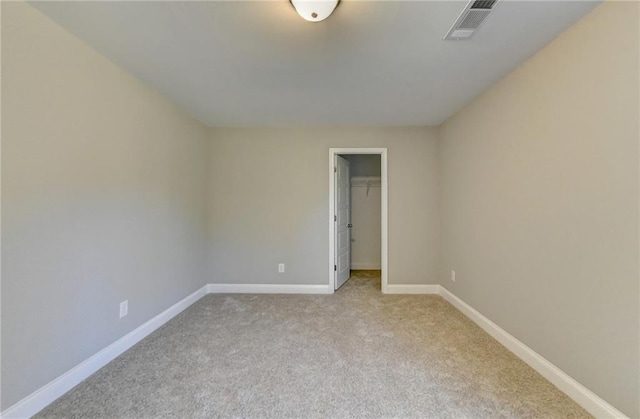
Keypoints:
pixel 358 232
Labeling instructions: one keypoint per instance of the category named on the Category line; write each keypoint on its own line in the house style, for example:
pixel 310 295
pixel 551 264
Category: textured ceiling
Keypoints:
pixel 246 63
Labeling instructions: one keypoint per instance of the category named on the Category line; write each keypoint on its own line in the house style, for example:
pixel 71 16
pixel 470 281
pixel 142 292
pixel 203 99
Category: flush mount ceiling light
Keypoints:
pixel 314 10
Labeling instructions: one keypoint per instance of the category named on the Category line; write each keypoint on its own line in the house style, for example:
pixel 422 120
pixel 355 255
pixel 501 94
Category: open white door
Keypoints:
pixel 335 243
pixel 342 222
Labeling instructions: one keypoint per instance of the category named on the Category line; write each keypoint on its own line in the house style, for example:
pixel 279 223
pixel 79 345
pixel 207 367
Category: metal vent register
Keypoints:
pixel 472 16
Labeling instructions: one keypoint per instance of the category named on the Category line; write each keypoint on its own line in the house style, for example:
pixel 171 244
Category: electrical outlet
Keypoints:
pixel 281 267
pixel 453 276
pixel 124 308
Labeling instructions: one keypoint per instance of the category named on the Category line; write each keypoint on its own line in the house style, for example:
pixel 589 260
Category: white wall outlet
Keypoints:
pixel 124 308
pixel 281 267
pixel 453 276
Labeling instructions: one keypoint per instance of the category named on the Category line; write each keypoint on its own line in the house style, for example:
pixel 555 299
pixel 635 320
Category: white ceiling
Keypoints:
pixel 257 63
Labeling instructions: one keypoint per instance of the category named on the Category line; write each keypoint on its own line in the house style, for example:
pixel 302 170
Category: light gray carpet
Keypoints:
pixel 356 354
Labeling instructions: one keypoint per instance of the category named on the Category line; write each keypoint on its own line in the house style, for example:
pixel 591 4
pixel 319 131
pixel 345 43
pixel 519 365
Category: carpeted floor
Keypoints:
pixel 355 354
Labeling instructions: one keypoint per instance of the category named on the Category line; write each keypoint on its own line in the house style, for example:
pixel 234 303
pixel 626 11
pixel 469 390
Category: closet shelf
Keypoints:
pixel 365 181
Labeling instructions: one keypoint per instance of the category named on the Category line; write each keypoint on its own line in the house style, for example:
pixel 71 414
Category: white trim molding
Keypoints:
pixel 268 289
pixel 47 394
pixel 355 266
pixel 384 211
pixel 50 392
pixel 590 401
pixel 413 289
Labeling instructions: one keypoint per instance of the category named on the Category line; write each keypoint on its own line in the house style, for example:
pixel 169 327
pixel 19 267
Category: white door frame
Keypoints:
pixel 384 218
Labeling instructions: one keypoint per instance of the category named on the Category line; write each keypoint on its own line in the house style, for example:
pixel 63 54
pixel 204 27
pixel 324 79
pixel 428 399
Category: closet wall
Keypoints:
pixel 365 210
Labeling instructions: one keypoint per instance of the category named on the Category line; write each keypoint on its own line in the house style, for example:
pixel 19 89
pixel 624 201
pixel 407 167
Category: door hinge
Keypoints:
pixel 335 218
pixel 335 268
pixel 335 169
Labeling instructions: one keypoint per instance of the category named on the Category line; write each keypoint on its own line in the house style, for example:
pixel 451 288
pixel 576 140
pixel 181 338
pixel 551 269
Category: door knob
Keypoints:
pixel 349 225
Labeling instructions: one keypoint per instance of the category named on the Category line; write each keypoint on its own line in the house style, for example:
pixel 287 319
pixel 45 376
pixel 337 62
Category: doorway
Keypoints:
pixel 341 161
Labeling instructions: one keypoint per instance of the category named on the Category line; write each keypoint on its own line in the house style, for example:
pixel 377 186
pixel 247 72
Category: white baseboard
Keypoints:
pixel 590 401
pixel 268 289
pixel 365 266
pixel 44 396
pixel 412 289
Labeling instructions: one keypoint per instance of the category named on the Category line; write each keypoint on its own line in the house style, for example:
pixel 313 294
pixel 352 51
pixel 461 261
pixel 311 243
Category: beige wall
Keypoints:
pixel 269 203
pixel 363 164
pixel 539 181
pixel 103 199
pixel 365 233
pixel 111 193
pixel 366 211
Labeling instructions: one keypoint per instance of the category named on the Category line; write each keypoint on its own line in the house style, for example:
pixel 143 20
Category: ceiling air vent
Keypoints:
pixel 470 19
